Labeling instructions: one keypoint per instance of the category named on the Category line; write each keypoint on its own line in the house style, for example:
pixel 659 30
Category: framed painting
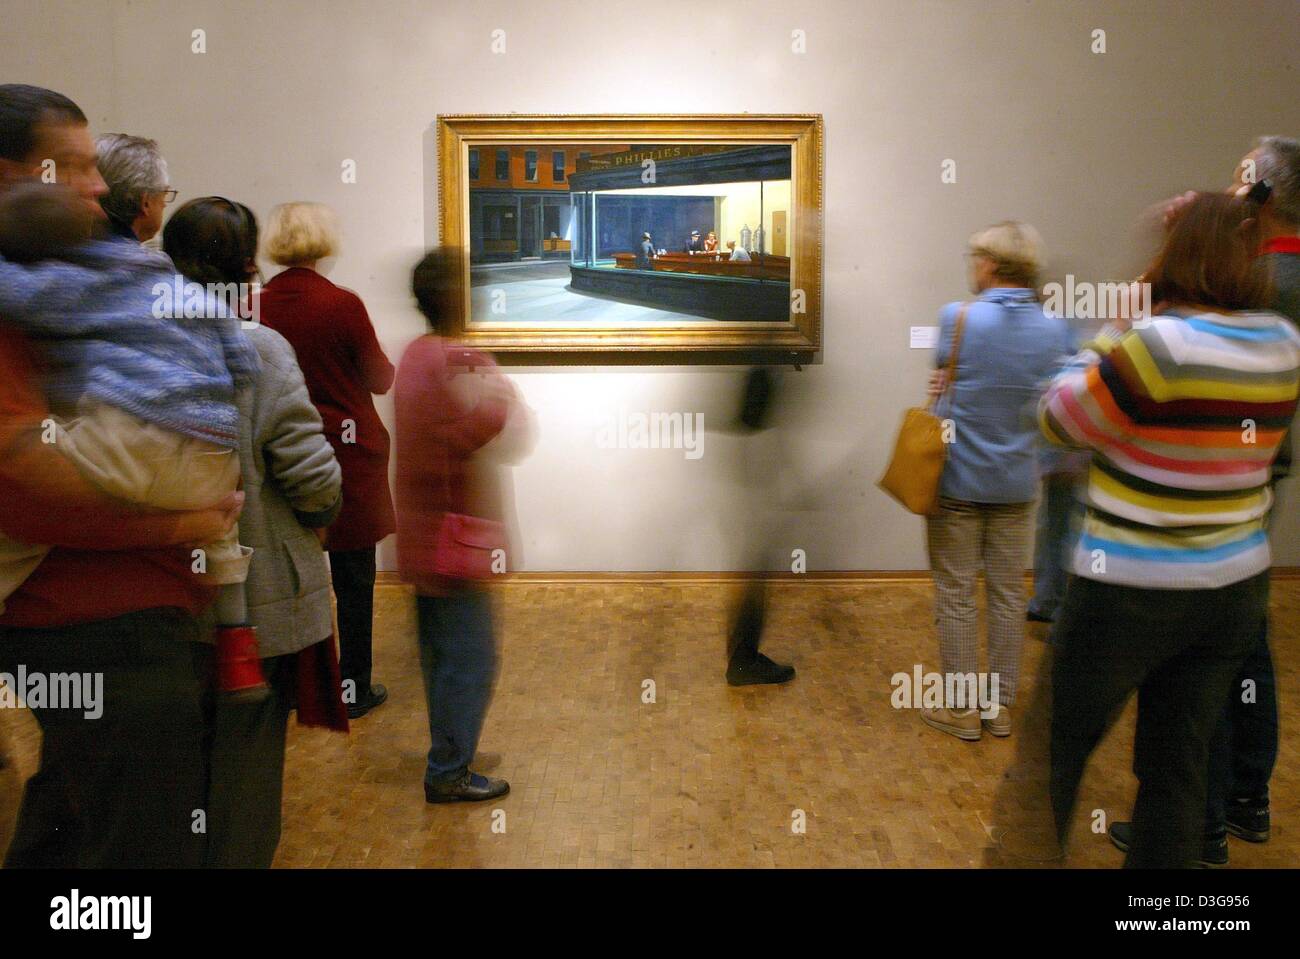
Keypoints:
pixel 635 234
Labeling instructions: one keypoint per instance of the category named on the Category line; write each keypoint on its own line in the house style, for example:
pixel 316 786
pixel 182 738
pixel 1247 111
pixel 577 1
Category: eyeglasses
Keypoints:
pixel 169 196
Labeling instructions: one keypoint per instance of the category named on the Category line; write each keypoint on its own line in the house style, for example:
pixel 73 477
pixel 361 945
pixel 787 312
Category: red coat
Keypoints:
pixel 343 364
pixel 436 440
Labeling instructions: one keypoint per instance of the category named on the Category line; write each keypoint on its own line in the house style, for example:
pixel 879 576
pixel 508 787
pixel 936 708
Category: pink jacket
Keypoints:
pixel 436 440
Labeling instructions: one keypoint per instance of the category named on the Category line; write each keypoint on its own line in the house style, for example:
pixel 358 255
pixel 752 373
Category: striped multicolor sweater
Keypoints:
pixel 1184 416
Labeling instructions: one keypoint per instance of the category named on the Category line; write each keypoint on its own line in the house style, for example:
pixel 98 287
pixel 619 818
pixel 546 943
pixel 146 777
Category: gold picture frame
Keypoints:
pixel 622 144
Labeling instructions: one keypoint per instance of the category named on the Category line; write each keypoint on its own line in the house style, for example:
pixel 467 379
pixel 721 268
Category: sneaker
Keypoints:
pixel 375 697
pixel 470 787
pixel 758 672
pixel 999 724
pixel 962 723
pixel 1248 819
pixel 1214 850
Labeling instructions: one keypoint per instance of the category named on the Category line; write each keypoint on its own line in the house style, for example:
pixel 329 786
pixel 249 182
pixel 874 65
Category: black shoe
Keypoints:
pixel 1033 617
pixel 758 671
pixel 1214 850
pixel 377 695
pixel 1248 819
pixel 470 787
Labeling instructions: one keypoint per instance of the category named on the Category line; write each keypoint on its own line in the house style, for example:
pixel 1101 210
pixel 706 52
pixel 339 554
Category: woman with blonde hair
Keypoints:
pixel 344 366
pixel 1005 347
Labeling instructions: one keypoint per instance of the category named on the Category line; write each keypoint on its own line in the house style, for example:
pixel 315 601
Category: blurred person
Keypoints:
pixel 1244 748
pixel 746 666
pixel 292 484
pixel 445 418
pixel 39 127
pixel 694 244
pixel 344 365
pixel 1170 594
pixel 1008 347
pixel 737 253
pixel 711 243
pixel 138 186
pixel 113 597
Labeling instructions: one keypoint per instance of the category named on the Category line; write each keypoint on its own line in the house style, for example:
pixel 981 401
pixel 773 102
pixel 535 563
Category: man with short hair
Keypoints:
pixel 114 597
pixel 138 188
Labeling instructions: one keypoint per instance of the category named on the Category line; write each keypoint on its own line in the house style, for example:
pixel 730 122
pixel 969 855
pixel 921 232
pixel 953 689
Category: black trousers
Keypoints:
pixel 353 573
pixel 125 789
pixel 1180 649
pixel 745 630
pixel 245 754
pixel 1244 748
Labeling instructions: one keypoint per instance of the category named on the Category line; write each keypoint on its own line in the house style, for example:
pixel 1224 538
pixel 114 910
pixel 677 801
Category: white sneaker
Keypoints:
pixel 998 723
pixel 962 723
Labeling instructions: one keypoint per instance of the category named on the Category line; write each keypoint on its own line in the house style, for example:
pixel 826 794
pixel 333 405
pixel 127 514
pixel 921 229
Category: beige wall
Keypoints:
pixel 1041 129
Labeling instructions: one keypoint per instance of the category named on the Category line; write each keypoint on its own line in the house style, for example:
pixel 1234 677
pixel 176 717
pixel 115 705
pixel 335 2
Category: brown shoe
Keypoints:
pixel 999 724
pixel 962 723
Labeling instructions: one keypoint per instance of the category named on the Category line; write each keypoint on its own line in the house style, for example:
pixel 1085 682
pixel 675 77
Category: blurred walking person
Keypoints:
pixel 746 666
pixel 451 403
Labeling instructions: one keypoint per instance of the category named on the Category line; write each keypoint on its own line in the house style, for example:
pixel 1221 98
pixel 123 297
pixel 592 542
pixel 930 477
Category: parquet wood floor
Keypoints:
pixel 705 775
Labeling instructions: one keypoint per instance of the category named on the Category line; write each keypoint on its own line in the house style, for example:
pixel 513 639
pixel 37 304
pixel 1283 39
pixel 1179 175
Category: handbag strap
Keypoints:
pixel 449 372
pixel 959 328
pixel 451 460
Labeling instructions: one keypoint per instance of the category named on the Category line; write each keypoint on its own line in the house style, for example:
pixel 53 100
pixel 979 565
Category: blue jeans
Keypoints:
pixel 458 661
pixel 1060 514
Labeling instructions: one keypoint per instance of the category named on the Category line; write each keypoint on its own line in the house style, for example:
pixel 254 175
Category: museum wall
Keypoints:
pixel 1040 127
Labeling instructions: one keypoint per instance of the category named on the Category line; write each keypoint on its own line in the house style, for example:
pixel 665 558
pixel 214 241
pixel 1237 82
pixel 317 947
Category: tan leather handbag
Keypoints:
pixel 919 452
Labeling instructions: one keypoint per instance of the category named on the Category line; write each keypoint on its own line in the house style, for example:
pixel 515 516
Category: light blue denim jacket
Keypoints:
pixel 1009 349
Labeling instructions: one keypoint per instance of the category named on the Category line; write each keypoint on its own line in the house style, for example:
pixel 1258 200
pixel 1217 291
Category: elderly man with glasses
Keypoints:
pixel 136 174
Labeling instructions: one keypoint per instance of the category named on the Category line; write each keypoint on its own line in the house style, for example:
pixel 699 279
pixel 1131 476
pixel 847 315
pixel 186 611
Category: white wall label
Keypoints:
pixel 925 337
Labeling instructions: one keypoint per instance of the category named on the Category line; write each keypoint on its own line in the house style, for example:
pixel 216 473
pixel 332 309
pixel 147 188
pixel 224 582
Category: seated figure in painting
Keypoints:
pixel 711 243
pixel 647 253
pixel 694 245
pixel 738 254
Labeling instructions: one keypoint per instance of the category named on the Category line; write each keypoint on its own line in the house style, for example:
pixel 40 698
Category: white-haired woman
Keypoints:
pixel 344 366
pixel 1007 348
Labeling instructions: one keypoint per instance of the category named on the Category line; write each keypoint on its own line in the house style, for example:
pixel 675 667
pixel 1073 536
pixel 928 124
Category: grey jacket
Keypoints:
pixel 292 483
